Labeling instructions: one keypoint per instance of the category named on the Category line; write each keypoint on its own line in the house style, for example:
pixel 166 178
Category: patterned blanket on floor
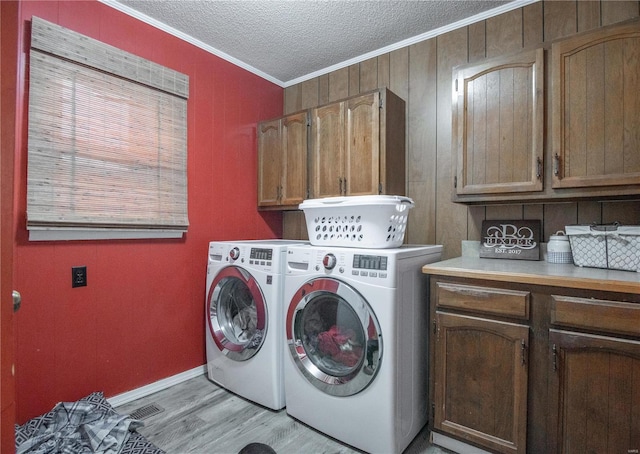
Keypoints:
pixel 89 425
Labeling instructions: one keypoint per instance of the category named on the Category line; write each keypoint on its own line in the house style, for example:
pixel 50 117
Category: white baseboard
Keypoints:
pixel 151 388
pixel 455 445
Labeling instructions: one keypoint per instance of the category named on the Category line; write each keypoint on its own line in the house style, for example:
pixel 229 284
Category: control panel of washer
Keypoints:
pixel 261 257
pixel 374 266
pixel 370 262
pixel 354 265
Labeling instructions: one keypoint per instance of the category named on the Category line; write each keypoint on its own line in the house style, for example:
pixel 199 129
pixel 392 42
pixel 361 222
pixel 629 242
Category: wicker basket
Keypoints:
pixel 611 246
pixel 376 221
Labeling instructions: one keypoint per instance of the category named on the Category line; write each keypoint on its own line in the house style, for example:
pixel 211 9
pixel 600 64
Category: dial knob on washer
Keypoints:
pixel 234 253
pixel 329 261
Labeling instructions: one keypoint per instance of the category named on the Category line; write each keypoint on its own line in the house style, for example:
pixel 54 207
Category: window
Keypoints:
pixel 107 150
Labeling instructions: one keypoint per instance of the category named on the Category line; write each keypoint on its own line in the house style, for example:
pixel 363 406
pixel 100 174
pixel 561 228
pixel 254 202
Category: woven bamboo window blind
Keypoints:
pixel 107 141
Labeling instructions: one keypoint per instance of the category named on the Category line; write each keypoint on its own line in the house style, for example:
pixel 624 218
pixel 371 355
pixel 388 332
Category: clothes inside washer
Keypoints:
pixel 339 343
pixel 245 322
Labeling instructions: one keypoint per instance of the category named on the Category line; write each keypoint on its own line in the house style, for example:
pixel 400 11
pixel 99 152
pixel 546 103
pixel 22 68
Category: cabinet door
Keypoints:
pixel 595 393
pixel 362 160
pixel 393 159
pixel 294 159
pixel 269 162
pixel 481 381
pixel 327 150
pixel 596 108
pixel 498 124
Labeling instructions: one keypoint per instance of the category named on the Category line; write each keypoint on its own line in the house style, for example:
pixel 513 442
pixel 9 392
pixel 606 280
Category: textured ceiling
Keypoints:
pixel 289 41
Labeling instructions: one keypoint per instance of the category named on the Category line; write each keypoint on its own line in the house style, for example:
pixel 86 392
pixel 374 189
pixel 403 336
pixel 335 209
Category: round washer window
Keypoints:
pixel 334 337
pixel 237 314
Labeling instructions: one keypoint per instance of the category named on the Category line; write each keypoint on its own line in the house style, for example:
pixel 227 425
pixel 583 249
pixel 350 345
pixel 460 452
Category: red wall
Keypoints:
pixel 141 317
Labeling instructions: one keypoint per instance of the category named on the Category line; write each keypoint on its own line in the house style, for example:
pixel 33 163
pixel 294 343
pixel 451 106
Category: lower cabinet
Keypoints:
pixel 595 384
pixel 481 381
pixel 595 390
pixel 518 368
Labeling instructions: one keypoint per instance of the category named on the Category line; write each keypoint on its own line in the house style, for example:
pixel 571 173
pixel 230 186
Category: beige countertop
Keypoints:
pixel 537 273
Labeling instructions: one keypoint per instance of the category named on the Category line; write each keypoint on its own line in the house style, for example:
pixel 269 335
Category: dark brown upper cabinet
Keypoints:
pixel 596 108
pixel 498 125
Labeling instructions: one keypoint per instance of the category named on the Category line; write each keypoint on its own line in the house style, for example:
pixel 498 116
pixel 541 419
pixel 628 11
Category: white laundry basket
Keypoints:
pixel 369 221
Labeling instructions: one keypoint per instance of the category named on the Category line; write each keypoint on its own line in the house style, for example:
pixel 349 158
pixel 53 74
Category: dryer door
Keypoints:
pixel 237 314
pixel 333 337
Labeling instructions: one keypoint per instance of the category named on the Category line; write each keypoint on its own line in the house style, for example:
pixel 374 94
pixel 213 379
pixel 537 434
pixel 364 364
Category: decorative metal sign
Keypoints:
pixel 518 240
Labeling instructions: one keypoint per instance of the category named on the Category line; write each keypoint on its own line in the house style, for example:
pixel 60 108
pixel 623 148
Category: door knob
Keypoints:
pixel 17 300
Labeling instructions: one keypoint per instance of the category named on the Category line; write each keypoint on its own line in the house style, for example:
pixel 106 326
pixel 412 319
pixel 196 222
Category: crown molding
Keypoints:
pixel 284 84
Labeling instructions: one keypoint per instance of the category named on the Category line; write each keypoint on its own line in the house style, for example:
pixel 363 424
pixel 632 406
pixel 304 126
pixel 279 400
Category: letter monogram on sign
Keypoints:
pixel 511 239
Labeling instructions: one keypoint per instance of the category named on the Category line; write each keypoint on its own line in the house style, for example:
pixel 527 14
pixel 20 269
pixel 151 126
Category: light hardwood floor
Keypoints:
pixel 200 417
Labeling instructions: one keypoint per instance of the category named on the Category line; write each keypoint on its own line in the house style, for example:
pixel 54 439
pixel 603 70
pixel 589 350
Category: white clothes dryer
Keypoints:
pixel 244 318
pixel 355 362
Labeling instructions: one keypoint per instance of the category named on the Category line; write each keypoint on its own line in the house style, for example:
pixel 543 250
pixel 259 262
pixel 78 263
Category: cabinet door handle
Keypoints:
pixel 555 357
pixel 556 164
pixel 523 349
pixel 340 184
pixel 539 168
pixel 343 185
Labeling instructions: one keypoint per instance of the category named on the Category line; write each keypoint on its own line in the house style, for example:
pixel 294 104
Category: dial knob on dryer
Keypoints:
pixel 234 253
pixel 329 261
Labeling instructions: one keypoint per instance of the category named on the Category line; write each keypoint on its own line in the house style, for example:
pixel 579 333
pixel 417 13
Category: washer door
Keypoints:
pixel 333 337
pixel 237 314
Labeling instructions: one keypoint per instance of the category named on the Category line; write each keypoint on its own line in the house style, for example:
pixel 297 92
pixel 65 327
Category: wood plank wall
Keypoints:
pixel 421 75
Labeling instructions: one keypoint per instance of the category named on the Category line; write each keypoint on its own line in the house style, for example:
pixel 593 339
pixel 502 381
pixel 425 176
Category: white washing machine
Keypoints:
pixel 356 352
pixel 244 318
